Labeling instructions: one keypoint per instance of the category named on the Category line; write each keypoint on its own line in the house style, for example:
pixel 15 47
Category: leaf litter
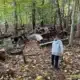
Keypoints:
pixel 38 66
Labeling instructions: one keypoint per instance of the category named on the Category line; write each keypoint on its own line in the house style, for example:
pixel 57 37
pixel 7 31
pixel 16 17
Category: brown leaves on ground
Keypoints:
pixel 38 66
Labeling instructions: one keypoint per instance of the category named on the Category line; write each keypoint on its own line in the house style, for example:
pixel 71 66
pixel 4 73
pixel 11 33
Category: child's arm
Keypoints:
pixel 52 46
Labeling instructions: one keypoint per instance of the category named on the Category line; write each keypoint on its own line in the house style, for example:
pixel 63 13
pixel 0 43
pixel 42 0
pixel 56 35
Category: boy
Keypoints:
pixel 57 50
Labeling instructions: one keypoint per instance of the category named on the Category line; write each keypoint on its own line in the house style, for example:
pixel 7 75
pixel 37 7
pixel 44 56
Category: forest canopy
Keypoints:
pixel 45 10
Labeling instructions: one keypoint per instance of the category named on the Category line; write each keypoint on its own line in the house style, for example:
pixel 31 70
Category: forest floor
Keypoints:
pixel 38 66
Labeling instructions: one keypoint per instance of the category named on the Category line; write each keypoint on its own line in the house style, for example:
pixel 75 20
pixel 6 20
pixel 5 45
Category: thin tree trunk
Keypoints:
pixel 42 22
pixel 68 17
pixel 63 17
pixel 16 17
pixel 78 16
pixel 21 23
pixel 59 14
pixel 72 26
pixel 26 16
pixel 52 17
pixel 6 26
pixel 55 17
pixel 33 14
pixel 68 9
pixel 78 21
pixel 20 16
pixel 6 23
pixel 0 32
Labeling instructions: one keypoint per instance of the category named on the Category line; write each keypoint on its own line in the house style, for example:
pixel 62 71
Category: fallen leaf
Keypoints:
pixel 39 78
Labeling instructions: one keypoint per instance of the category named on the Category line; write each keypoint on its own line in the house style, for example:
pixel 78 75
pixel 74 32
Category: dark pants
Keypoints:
pixel 55 61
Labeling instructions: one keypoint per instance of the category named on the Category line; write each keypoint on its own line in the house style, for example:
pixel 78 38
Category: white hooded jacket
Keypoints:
pixel 57 47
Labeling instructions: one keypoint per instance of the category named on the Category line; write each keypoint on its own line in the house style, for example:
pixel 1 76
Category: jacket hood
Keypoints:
pixel 56 41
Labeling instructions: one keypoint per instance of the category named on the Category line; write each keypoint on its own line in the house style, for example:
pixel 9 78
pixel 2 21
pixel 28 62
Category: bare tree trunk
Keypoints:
pixel 59 14
pixel 21 23
pixel 0 32
pixel 63 14
pixel 6 23
pixel 72 26
pixel 78 20
pixel 68 17
pixel 33 14
pixel 16 17
pixel 55 17
pixel 20 16
pixel 42 21
pixel 6 26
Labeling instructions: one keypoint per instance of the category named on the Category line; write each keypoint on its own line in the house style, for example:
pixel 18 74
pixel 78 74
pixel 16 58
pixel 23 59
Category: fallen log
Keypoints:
pixel 16 50
pixel 5 36
pixel 32 55
pixel 50 42
pixel 2 54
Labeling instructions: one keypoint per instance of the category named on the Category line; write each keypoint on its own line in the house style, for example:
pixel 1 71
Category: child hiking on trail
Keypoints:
pixel 57 50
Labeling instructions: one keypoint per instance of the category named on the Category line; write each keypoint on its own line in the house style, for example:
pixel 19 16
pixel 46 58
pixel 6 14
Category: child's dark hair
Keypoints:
pixel 56 35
